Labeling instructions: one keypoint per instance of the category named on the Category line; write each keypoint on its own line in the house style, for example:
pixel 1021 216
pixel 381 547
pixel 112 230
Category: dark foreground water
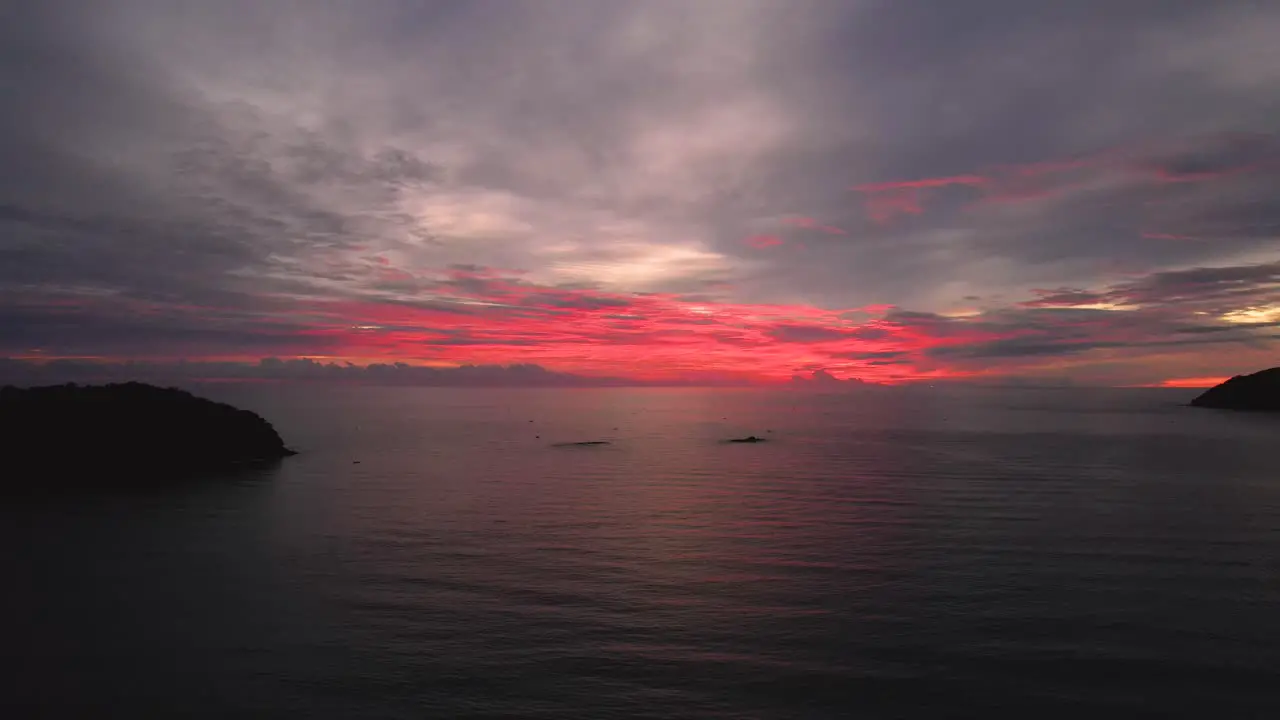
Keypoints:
pixel 885 555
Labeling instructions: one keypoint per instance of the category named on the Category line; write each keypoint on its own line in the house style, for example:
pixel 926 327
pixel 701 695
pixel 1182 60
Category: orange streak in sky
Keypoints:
pixel 1191 382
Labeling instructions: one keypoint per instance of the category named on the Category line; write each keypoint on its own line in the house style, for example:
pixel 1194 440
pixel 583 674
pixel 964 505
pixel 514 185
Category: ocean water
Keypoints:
pixel 887 554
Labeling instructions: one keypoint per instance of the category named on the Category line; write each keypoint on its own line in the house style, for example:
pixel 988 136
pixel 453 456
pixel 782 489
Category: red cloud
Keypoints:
pixel 487 317
pixel 884 201
pixel 883 207
pixel 922 184
pixel 1205 159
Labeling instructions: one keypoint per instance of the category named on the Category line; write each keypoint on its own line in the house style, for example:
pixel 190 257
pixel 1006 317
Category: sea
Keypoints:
pixel 888 553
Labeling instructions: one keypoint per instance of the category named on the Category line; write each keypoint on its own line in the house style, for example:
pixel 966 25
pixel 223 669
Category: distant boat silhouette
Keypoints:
pixel 584 443
pixel 747 439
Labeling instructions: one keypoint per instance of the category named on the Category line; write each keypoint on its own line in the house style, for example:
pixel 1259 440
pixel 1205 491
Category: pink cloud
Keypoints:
pixel 885 201
pixel 921 184
pixel 763 241
pixel 484 316
pixel 812 224
pixel 883 207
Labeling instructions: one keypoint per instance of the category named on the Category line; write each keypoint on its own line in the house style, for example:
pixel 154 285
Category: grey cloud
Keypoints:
pixel 877 355
pixel 1000 84
pixel 1020 347
pixel 107 327
pixel 1232 328
pixel 822 379
pixel 1222 154
pixel 1048 346
pixel 572 301
pixel 869 333
pixel 1067 296
pixel 1204 283
pixel 1209 290
pixel 25 372
pixel 804 333
pixel 227 154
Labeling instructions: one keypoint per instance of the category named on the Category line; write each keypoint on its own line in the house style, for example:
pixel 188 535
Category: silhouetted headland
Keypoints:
pixel 121 433
pixel 1259 391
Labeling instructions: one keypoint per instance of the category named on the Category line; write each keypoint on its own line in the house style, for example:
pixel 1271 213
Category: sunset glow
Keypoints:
pixel 1204 382
pixel 718 192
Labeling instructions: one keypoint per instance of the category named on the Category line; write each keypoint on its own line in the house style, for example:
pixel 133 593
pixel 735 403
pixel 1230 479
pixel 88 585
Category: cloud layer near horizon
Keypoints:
pixel 714 190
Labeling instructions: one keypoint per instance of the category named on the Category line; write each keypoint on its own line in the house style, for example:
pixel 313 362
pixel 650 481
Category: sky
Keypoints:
pixel 657 191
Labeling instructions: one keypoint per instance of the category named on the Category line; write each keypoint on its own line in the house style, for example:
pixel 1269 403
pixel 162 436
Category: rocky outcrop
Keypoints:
pixel 1259 391
pixel 106 434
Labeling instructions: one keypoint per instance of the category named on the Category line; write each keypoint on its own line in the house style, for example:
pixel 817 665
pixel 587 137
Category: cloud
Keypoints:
pixel 26 372
pixel 761 242
pixel 805 333
pixel 1223 156
pixel 571 185
pixel 823 380
pixel 812 224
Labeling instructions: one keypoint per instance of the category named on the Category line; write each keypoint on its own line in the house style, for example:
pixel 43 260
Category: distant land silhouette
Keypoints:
pixel 1259 391
pixel 63 435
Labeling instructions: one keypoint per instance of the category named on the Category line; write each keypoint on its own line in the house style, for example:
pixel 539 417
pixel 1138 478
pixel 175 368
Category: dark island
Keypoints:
pixel 1259 391
pixel 100 435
